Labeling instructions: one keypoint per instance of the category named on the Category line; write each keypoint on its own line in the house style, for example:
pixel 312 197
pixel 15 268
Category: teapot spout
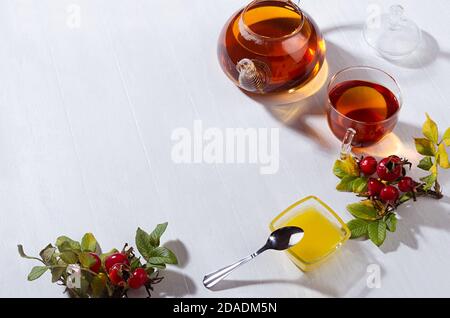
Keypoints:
pixel 253 75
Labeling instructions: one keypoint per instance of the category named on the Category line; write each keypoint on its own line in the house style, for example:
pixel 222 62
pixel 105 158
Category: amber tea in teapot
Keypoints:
pixel 271 46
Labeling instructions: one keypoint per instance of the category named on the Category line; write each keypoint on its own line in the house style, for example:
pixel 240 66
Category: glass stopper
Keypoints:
pixel 392 35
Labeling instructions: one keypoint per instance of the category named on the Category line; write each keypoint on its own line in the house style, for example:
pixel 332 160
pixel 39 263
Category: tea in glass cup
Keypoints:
pixel 363 105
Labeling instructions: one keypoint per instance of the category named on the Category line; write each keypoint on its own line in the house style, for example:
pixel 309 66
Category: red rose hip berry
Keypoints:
pixel 116 274
pixel 138 278
pixel 368 165
pixel 389 194
pixel 116 258
pixel 390 168
pixel 374 186
pixel 406 184
pixel 95 267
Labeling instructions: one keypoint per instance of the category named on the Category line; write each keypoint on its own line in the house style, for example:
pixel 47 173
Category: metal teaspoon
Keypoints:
pixel 279 240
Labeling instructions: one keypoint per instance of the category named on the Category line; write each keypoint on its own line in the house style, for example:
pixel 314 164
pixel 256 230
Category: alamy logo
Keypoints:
pixel 258 146
pixel 374 277
pixel 373 20
pixel 73 16
pixel 73 276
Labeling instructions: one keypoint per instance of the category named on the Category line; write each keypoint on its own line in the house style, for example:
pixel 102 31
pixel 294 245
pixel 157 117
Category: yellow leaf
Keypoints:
pixel 353 166
pixel 446 139
pixel 434 168
pixel 443 157
pixel 430 130
pixel 346 168
pixel 425 147
pixel 98 285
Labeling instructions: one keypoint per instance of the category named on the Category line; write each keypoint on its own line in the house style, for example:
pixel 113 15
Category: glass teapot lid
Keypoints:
pixel 392 35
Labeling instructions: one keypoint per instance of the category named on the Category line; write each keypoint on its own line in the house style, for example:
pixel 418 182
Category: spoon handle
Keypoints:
pixel 213 278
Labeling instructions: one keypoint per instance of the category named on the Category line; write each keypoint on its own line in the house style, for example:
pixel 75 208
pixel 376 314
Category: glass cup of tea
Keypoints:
pixel 363 106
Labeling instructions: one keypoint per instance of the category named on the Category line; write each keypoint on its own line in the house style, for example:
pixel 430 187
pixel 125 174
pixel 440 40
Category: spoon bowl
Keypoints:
pixel 284 238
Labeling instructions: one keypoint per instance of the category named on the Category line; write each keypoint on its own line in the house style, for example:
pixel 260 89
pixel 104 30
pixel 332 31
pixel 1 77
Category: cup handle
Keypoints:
pixel 346 147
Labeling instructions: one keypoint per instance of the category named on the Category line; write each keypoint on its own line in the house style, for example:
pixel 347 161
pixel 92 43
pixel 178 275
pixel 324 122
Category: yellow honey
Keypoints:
pixel 321 236
pixel 324 231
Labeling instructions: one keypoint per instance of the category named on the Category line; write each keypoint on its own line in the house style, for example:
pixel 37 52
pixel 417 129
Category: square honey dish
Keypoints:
pixel 324 232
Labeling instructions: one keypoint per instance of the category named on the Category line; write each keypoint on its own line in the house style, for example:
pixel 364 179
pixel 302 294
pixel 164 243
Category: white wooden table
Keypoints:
pixel 86 116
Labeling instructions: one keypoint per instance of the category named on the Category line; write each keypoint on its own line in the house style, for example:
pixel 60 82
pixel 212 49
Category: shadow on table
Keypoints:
pixel 180 251
pixel 392 144
pixel 344 272
pixel 414 217
pixel 174 284
pixel 295 109
pixel 426 54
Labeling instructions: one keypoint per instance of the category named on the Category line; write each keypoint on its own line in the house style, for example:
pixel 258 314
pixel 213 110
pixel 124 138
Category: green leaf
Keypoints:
pixel 143 243
pixel 47 254
pixel 391 222
pixel 430 130
pixel 57 272
pixel 347 167
pixel 405 197
pixel 82 291
pixel 162 255
pixel 36 272
pixel 155 236
pixel 89 243
pixel 346 184
pixel 377 232
pixel 105 255
pixel 426 163
pixel 363 210
pixel 425 147
pixel 69 257
pixel 98 285
pixel 64 243
pixel 151 267
pixel 443 157
pixel 360 185
pixel 22 253
pixel 86 260
pixel 135 263
pixel 446 138
pixel 429 181
pixel 358 227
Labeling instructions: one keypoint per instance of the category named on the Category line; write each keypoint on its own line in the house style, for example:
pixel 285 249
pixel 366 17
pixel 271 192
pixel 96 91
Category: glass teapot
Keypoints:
pixel 271 46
